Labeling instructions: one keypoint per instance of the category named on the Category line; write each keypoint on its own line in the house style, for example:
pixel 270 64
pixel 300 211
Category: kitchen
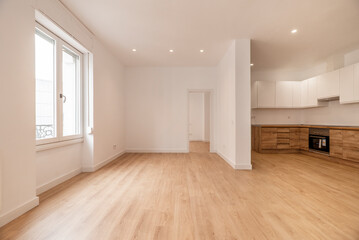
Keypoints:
pixel 318 116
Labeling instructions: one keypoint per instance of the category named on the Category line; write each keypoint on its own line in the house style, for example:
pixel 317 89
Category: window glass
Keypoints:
pixel 45 86
pixel 71 93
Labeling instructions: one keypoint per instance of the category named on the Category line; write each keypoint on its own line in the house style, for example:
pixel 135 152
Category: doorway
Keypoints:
pixel 199 121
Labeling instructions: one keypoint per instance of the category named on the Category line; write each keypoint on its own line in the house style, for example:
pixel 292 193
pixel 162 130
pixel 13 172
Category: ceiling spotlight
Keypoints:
pixel 294 31
pixel 171 50
pixel 252 64
pixel 134 50
pixel 202 51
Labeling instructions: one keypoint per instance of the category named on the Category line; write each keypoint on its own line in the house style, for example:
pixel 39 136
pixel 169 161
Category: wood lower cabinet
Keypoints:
pixel 283 138
pixel 344 143
pixel 304 139
pixel 351 145
pixel 268 138
pixel 276 138
pixel 294 135
pixel 336 143
pixel 256 133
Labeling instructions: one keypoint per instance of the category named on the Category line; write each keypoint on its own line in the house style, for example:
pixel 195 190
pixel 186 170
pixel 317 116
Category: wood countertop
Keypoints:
pixel 355 128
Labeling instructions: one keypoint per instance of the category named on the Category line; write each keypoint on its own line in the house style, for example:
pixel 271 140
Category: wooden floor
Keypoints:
pixel 199 196
pixel 199 147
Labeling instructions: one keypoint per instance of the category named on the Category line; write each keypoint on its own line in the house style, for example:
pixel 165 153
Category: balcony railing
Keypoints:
pixel 44 131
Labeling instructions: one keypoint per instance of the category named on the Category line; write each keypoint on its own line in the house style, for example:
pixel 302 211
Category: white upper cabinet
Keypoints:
pixel 312 97
pixel 346 84
pixel 284 94
pixel 356 82
pixel 296 86
pixel 349 84
pixel 304 93
pixel 254 94
pixel 342 83
pixel 328 85
pixel 266 94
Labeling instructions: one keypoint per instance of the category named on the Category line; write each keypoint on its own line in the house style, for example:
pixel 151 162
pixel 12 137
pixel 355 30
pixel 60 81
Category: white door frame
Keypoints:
pixel 212 132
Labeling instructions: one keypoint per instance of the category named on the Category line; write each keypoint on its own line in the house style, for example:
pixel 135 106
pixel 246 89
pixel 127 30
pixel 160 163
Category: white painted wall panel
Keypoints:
pixel 156 106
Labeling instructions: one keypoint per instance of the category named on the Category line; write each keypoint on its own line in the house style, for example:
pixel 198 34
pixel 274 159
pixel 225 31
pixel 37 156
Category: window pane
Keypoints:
pixel 45 86
pixel 70 90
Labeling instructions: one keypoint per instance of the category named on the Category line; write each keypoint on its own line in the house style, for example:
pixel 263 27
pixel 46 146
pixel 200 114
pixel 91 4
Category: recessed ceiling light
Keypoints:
pixel 134 50
pixel 202 51
pixel 252 64
pixel 294 31
pixel 171 50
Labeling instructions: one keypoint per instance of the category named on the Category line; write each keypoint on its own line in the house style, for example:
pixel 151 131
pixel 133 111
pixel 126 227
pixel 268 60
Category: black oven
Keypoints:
pixel 319 139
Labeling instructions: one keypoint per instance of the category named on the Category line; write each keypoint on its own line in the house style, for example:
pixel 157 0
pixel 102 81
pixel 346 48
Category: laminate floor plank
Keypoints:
pixel 198 195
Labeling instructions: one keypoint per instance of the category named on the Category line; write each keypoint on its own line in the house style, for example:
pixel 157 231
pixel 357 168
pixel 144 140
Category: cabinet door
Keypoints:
pixel 312 99
pixel 269 138
pixel 256 138
pixel 283 138
pixel 351 145
pixel 266 94
pixel 304 93
pixel 254 95
pixel 328 85
pixel 296 86
pixel 356 83
pixel 336 143
pixel 304 139
pixel 295 138
pixel 284 94
pixel 346 80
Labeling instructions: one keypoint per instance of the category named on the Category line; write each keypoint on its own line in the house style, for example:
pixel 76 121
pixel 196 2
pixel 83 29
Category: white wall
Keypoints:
pixel 243 103
pixel 276 116
pixel 24 170
pixel 234 105
pixel 207 116
pixel 334 114
pixel 196 117
pixel 57 164
pixel 108 106
pixel 17 106
pixel 156 106
pixel 226 106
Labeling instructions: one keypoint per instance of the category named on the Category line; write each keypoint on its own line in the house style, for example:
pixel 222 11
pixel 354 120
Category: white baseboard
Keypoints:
pixel 227 160
pixel 235 166
pixel 154 150
pixel 57 181
pixel 103 163
pixel 243 166
pixel 17 212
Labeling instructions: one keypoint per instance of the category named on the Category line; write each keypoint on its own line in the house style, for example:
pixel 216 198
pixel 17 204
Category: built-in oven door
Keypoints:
pixel 319 143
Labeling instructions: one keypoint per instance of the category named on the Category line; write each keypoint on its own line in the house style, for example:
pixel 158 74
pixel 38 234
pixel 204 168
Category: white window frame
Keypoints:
pixel 59 45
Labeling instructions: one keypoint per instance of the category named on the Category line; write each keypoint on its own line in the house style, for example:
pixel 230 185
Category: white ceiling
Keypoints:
pixel 155 26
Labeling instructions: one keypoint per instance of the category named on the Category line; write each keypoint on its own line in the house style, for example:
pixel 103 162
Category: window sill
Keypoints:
pixel 48 146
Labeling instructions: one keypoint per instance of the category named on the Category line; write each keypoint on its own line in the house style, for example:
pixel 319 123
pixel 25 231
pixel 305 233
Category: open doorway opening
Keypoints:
pixel 199 121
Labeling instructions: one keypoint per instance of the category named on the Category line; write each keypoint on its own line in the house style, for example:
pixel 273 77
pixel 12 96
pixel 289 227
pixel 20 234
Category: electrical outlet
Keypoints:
pixel 114 146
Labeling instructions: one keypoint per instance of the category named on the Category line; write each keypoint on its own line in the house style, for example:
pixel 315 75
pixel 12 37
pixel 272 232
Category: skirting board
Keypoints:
pixel 57 181
pixel 227 160
pixel 17 212
pixel 243 167
pixel 235 166
pixel 151 150
pixel 103 163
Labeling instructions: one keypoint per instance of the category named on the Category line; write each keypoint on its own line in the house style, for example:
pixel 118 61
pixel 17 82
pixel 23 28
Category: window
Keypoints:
pixel 58 88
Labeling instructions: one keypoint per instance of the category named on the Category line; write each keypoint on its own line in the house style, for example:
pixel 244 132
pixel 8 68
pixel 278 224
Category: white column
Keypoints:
pixel 243 104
